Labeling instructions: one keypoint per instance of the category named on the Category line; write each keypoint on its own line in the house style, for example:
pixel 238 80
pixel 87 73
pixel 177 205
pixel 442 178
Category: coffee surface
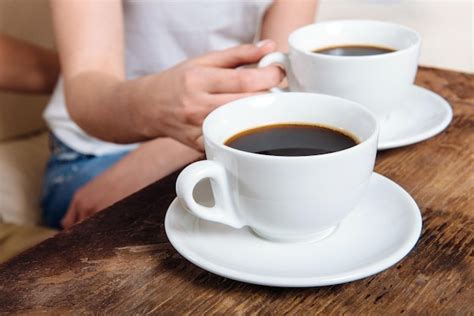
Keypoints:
pixel 291 140
pixel 353 50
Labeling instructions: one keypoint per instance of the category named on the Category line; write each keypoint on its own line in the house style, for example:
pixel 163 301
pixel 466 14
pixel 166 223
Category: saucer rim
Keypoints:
pixel 302 281
pixel 427 134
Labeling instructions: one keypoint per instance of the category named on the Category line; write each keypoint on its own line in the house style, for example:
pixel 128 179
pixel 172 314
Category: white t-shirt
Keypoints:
pixel 158 35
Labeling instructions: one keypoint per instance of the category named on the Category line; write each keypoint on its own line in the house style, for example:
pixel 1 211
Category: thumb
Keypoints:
pixel 238 55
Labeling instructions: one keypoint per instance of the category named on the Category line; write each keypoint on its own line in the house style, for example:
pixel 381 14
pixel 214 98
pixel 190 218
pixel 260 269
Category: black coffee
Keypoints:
pixel 291 140
pixel 353 50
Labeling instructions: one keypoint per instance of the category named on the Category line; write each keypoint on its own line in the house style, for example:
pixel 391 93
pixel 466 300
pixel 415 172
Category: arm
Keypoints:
pixel 285 16
pixel 151 161
pixel 25 67
pixel 171 103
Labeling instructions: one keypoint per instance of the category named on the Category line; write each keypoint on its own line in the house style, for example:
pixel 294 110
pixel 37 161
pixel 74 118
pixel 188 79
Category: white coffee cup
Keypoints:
pixel 282 198
pixel 376 81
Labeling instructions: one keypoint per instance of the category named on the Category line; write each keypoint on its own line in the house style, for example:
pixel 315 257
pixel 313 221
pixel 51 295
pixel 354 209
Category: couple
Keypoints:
pixel 138 79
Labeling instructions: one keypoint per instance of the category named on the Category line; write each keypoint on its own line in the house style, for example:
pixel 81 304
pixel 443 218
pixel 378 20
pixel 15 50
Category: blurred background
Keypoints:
pixel 445 25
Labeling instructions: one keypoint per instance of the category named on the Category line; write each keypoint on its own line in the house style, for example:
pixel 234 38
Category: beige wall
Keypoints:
pixel 30 20
pixel 446 25
pixel 27 19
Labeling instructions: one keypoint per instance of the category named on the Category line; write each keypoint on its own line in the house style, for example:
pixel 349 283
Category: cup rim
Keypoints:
pixel 291 40
pixel 222 146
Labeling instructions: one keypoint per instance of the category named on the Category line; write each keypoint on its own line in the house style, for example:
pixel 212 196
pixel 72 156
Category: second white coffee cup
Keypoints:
pixel 376 81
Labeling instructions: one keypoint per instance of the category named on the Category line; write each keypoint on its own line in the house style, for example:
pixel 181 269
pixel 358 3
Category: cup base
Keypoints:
pixel 306 238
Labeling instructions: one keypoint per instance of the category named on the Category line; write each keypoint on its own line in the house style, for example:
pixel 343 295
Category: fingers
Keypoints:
pixel 71 216
pixel 196 142
pixel 85 214
pixel 193 136
pixel 77 212
pixel 189 134
pixel 239 55
pixel 243 80
pixel 192 127
pixel 200 144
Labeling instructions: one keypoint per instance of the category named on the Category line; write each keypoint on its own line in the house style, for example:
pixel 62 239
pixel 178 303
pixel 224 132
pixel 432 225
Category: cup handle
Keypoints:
pixel 276 58
pixel 223 211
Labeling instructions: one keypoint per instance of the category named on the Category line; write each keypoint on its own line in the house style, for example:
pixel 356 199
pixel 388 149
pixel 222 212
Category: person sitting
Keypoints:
pixel 138 79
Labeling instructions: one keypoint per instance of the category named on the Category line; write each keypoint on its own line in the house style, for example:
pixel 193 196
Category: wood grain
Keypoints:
pixel 120 261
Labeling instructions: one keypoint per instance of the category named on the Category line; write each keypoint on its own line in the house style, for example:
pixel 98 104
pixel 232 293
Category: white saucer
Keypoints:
pixel 421 115
pixel 378 233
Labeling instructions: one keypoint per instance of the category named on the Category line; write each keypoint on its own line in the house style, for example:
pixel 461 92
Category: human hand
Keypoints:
pixel 99 193
pixel 87 201
pixel 181 97
pixel 148 163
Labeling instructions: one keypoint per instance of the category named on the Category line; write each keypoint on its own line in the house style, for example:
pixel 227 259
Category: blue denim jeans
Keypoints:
pixel 67 171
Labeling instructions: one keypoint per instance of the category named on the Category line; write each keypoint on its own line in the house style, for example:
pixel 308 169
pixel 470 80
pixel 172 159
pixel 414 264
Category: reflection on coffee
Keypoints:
pixel 292 140
pixel 353 50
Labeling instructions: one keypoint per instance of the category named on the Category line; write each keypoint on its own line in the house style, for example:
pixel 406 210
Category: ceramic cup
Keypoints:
pixel 377 81
pixel 282 198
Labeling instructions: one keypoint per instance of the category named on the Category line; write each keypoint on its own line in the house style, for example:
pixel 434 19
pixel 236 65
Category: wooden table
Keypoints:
pixel 120 261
